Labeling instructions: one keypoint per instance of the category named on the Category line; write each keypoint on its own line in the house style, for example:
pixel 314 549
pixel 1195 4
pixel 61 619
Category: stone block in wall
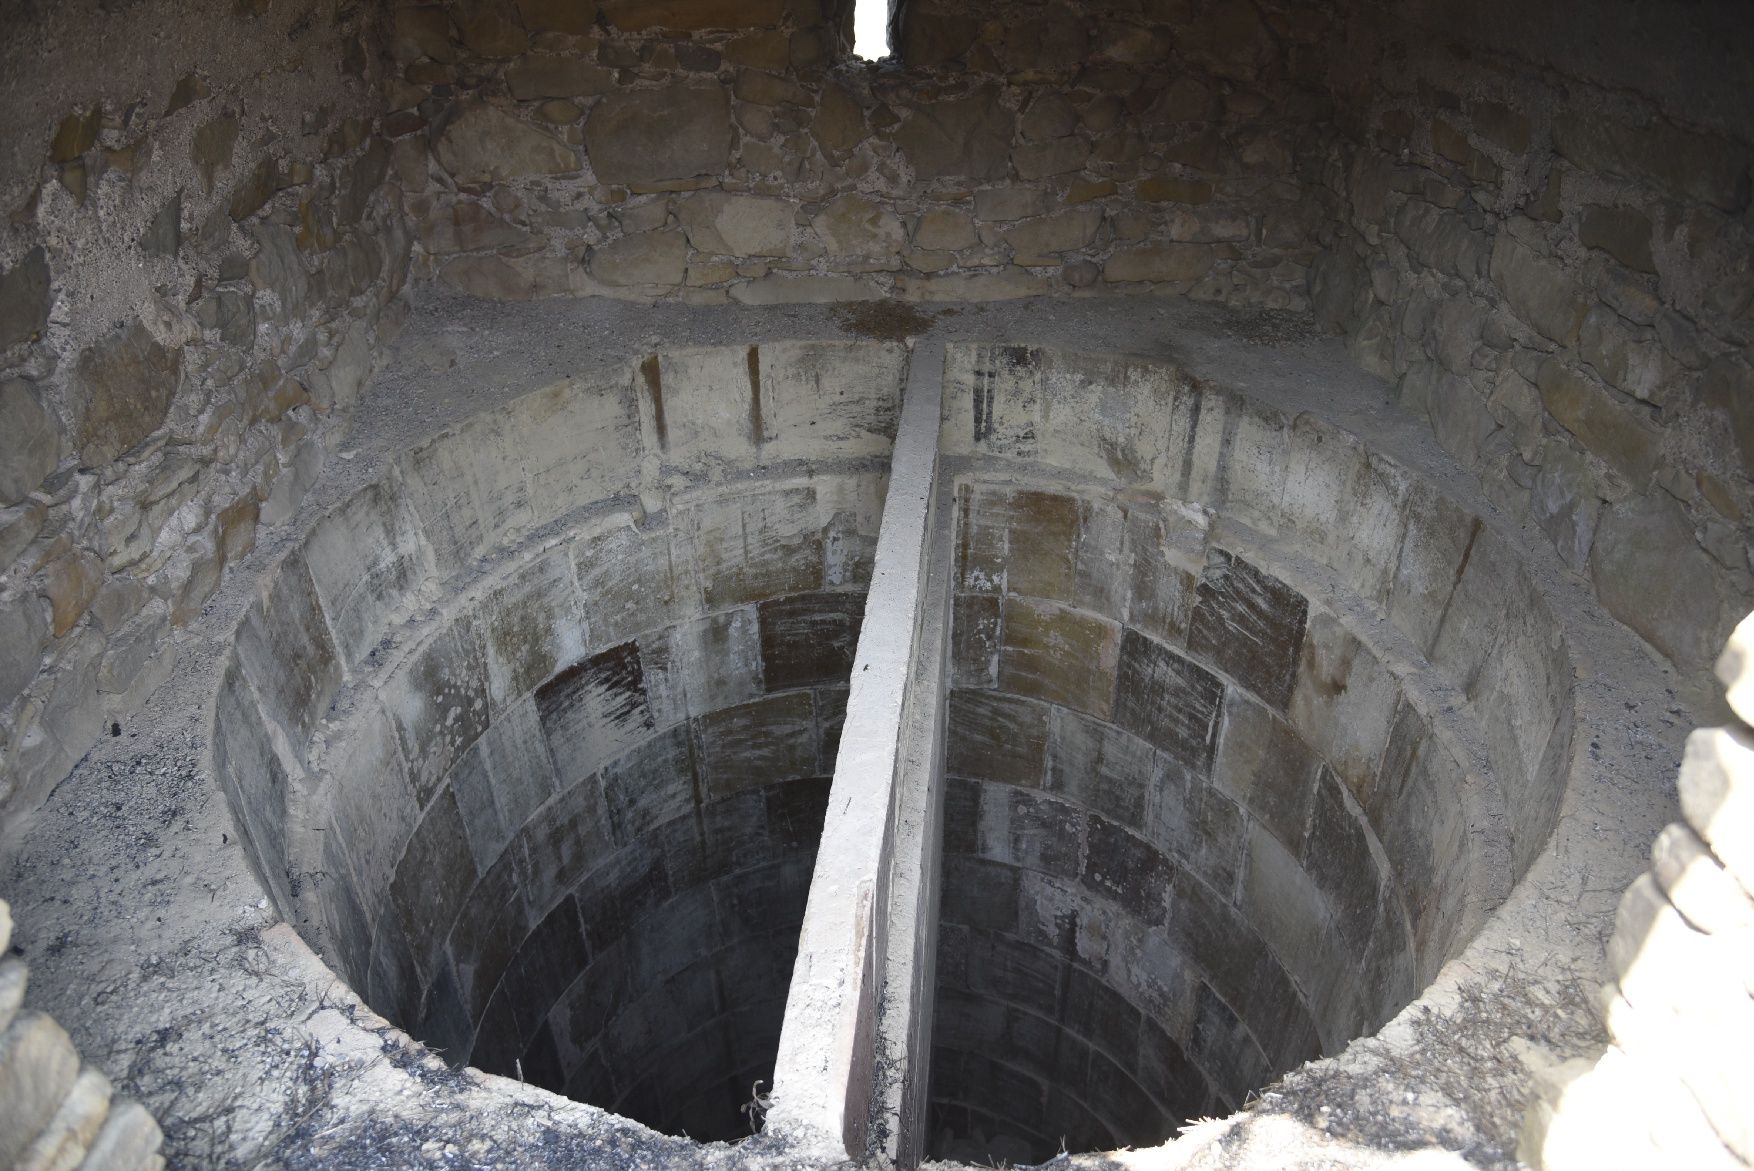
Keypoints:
pixel 1627 356
pixel 702 664
pixel 1025 829
pixel 1612 432
pixel 468 489
pixel 1339 289
pixel 818 398
pixel 1168 555
pixel 1250 625
pixel 1056 156
pixel 808 639
pixel 738 225
pixel 1442 239
pixel 534 76
pixel 647 137
pixel 996 737
pixel 1102 768
pixel 1460 419
pixel 1437 545
pixel 1538 290
pixel 965 138
pixel 433 878
pixel 999 204
pixel 285 650
pixel 651 784
pixel 24 299
pixel 1058 655
pixel 646 259
pixel 501 780
pixel 1728 388
pixel 1127 870
pixel 1339 856
pixel 933 35
pixel 1651 574
pixel 1037 241
pixel 1343 700
pixel 1167 700
pixel 758 744
pixel 482 144
pixel 466 226
pixel 1178 263
pixel 852 225
pixel 120 393
pixel 1282 903
pixel 1343 500
pixel 629 575
pixel 578 440
pixel 30 441
pixel 1622 232
pixel 517 278
pixel 1017 541
pixel 594 711
pixel 530 626
pixel 1423 828
pixel 1683 164
pixel 756 546
pixel 1565 501
pixel 367 560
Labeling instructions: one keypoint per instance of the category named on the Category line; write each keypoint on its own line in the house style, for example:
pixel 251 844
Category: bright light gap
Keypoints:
pixel 871 29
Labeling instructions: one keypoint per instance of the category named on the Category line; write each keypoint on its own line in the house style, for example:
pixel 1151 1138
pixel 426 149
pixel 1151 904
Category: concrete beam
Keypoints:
pixel 861 987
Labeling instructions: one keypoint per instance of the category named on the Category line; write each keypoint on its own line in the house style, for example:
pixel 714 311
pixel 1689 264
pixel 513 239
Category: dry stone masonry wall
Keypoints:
pixel 197 258
pixel 722 152
pixel 1549 260
pixel 1556 272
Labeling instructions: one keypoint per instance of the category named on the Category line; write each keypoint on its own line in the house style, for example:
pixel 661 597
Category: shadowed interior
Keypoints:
pixel 1243 745
pixel 561 824
pixel 1158 895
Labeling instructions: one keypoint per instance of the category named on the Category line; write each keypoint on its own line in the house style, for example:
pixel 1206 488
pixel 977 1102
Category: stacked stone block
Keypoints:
pixel 57 1114
pixel 1673 1089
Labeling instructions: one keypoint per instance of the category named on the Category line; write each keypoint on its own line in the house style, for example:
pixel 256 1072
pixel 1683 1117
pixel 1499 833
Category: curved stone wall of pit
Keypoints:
pixel 1213 810
pixel 531 737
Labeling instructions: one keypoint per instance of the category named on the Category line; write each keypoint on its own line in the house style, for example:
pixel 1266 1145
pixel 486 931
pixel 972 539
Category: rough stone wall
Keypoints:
pixel 1547 250
pixel 56 1112
pixel 200 245
pixel 1682 964
pixel 715 152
